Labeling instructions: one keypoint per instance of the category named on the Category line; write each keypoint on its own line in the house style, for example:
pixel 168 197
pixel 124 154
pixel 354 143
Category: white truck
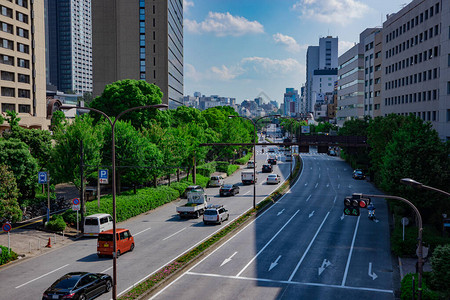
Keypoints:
pixel 248 177
pixel 196 205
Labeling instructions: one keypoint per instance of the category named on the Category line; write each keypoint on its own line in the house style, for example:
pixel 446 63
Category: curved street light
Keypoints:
pixel 419 185
pixel 113 124
pixel 254 148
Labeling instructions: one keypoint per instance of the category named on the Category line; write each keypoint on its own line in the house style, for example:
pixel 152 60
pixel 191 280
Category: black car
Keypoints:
pixel 79 285
pixel 358 174
pixel 272 161
pixel 229 190
pixel 267 168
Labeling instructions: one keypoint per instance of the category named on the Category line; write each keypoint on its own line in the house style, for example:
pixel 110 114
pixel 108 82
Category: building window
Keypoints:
pixel 21 17
pixel 8 76
pixel 23 3
pixel 7 60
pixel 7 12
pixel 23 63
pixel 23 48
pixel 5 27
pixel 24 108
pixel 22 32
pixel 21 93
pixel 7 44
pixel 8 92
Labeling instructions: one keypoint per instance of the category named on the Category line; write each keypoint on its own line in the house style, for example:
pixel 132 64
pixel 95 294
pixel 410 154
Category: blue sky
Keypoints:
pixel 240 48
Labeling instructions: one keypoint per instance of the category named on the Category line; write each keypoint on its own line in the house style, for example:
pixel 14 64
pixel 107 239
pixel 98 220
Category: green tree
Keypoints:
pixel 358 157
pixel 12 118
pixel 16 155
pixel 9 207
pixel 441 269
pixel 124 94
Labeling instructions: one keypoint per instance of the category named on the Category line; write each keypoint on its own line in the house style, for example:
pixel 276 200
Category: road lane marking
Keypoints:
pixel 227 260
pixel 350 253
pixel 246 193
pixel 311 214
pixel 280 212
pixel 275 263
pixel 370 273
pixel 41 276
pixel 141 231
pixel 174 234
pixel 307 249
pixel 316 185
pixel 309 197
pixel 104 271
pixel 267 244
pixel 290 282
pixel 326 263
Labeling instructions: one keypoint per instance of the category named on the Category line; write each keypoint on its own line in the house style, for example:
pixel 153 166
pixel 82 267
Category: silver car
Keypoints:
pixel 273 179
pixel 215 214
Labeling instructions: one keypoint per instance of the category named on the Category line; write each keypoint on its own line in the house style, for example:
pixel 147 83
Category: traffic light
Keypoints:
pixel 351 207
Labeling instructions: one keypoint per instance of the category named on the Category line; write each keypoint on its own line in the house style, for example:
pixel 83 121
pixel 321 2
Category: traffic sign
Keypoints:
pixel 6 227
pixel 42 177
pixel 103 176
pixel 306 129
pixel 76 207
pixel 76 201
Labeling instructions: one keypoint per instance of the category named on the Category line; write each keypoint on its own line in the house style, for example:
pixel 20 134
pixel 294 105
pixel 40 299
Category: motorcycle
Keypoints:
pixel 372 215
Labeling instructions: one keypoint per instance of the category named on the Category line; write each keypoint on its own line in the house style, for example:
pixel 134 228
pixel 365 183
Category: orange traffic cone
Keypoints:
pixel 49 244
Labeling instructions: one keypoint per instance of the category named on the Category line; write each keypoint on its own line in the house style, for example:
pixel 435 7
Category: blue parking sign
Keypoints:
pixel 42 177
pixel 103 176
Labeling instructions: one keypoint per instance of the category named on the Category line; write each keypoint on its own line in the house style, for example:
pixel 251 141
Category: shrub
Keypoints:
pixel 70 217
pixel 56 223
pixel 231 169
pixel 441 269
pixel 244 160
pixel 207 169
pixel 222 166
pixel 406 287
pixel 200 180
pixel 7 255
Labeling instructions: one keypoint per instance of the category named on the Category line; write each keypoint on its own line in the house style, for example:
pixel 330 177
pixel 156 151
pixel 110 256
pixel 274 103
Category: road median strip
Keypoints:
pixel 175 269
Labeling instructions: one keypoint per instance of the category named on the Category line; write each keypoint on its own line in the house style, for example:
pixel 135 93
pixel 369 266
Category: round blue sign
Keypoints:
pixel 6 227
pixel 76 201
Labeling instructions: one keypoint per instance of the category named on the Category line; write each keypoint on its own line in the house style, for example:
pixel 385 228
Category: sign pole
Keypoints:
pixel 48 197
pixel 98 188
pixel 77 223
pixel 9 244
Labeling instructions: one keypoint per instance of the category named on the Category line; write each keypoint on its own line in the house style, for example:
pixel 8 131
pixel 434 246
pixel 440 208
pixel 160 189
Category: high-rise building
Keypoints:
pixel 312 63
pixel 291 102
pixel 69 45
pixel 139 39
pixel 416 63
pixel 22 60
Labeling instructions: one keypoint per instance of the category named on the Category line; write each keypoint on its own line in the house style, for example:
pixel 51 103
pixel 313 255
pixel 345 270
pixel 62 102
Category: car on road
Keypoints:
pixel 96 223
pixel 271 150
pixel 215 214
pixel 251 164
pixel 272 160
pixel 192 188
pixel 124 242
pixel 267 168
pixel 332 153
pixel 358 174
pixel 288 157
pixel 229 190
pixel 216 181
pixel 79 285
pixel 273 179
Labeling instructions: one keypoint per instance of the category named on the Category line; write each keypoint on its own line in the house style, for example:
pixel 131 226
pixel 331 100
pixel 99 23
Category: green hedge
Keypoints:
pixel 207 169
pixel 56 223
pixel 6 255
pixel 200 180
pixel 406 287
pixel 231 169
pixel 222 166
pixel 244 160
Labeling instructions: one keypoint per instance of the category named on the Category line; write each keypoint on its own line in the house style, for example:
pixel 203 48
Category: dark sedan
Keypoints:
pixel 358 174
pixel 229 190
pixel 79 285
pixel 272 161
pixel 267 168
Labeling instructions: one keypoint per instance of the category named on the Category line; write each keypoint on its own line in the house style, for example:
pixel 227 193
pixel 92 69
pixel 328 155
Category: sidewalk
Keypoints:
pixel 408 265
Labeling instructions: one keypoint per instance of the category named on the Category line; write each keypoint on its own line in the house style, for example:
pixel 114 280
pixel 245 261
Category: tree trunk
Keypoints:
pixel 178 174
pixel 155 185
pixel 168 178
pixel 134 188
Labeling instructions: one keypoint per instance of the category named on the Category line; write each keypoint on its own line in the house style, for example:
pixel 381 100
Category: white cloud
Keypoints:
pixel 344 46
pixel 225 73
pixel 223 24
pixel 187 4
pixel 270 67
pixel 192 73
pixel 332 11
pixel 289 42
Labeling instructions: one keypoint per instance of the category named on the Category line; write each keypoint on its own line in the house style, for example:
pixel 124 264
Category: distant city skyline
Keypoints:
pixel 240 50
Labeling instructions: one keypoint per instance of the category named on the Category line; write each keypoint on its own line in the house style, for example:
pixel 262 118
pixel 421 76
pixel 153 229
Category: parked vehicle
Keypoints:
pixel 358 174
pixel 251 164
pixel 196 205
pixel 273 179
pixel 267 168
pixel 216 181
pixel 215 214
pixel 124 242
pixel 79 285
pixel 229 190
pixel 191 188
pixel 247 177
pixel 94 224
pixel 332 153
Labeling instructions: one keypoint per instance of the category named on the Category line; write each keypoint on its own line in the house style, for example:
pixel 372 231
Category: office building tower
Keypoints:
pixel 69 45
pixel 291 102
pixel 416 61
pixel 142 40
pixel 22 60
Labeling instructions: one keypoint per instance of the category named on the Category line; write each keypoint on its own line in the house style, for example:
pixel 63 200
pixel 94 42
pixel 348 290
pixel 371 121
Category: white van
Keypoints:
pixel 94 224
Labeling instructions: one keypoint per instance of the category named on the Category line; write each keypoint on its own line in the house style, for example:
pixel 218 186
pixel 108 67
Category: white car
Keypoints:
pixel 251 164
pixel 215 214
pixel 216 181
pixel 273 179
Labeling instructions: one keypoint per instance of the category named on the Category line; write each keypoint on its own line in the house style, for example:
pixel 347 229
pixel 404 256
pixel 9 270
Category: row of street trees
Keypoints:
pixel 149 143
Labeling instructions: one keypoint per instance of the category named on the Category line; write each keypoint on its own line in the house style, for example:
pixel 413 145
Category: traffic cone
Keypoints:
pixel 49 244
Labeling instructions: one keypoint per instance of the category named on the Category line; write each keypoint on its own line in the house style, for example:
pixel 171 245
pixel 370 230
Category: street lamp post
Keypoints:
pixel 254 149
pixel 420 247
pixel 113 150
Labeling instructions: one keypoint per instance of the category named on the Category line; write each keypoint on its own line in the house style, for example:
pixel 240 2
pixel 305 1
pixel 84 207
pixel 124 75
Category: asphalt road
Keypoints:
pixel 303 247
pixel 160 237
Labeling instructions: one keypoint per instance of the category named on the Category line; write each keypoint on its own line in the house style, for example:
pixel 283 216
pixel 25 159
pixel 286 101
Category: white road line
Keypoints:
pixel 292 282
pixel 350 253
pixel 41 276
pixel 141 231
pixel 246 193
pixel 307 249
pixel 174 234
pixel 104 271
pixel 316 185
pixel 309 197
pixel 267 244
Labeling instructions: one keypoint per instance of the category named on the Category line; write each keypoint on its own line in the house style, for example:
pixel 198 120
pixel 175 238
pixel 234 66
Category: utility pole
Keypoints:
pixel 82 186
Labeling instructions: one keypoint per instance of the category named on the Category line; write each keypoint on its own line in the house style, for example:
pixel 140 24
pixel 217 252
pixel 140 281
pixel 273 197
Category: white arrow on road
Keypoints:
pixel 342 217
pixel 319 175
pixel 275 263
pixel 306 184
pixel 328 184
pixel 316 185
pixel 309 197
pixel 325 264
pixel 280 212
pixel 334 200
pixel 227 260
pixel 376 220
pixel 371 274
pixel 311 214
